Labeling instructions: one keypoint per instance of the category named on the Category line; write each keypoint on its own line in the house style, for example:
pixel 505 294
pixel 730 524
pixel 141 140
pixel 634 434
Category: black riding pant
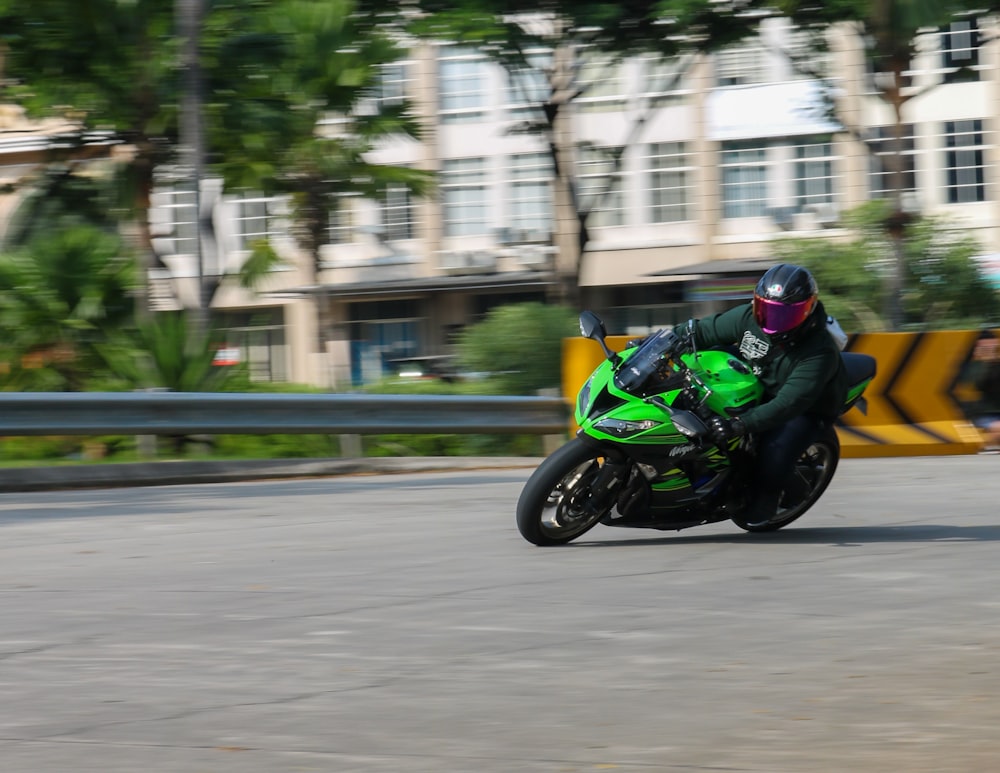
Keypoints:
pixel 777 451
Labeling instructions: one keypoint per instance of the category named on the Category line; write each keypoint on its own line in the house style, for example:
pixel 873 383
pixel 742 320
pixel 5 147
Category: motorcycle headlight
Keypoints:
pixel 625 428
pixel 583 399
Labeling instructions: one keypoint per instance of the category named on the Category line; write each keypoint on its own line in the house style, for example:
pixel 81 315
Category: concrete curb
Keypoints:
pixel 184 472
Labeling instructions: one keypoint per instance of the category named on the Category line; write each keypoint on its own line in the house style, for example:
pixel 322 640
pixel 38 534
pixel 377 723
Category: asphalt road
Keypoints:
pixel 399 623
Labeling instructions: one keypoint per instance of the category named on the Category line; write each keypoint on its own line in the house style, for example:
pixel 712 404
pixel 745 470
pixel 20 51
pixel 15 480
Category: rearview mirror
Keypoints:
pixel 591 326
pixel 689 424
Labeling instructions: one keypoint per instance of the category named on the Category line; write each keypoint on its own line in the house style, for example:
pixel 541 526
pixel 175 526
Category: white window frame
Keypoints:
pixel 393 83
pixel 880 150
pixel 528 87
pixel 960 43
pixel 343 219
pixel 655 73
pixel 671 176
pixel 463 84
pixel 529 195
pixel 746 171
pixel 464 207
pixel 256 218
pixel 741 65
pixel 964 161
pixel 398 213
pixel 180 208
pixel 603 79
pixel 594 166
pixel 814 172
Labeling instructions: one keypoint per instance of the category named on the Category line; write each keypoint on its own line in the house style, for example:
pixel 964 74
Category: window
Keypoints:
pixel 600 186
pixel 744 180
pixel 879 78
pixel 670 172
pixel 528 87
pixel 740 66
pixel 807 55
pixel 882 157
pixel 642 309
pixel 180 208
pixel 260 337
pixel 392 84
pixel 382 333
pixel 965 171
pixel 529 203
pixel 398 217
pixel 813 174
pixel 463 190
pixel 342 219
pixel 462 85
pixel 255 220
pixel 960 46
pixel 664 81
pixel 603 84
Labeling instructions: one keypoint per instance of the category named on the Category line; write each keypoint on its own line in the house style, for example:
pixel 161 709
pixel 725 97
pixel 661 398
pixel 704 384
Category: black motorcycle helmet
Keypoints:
pixel 784 299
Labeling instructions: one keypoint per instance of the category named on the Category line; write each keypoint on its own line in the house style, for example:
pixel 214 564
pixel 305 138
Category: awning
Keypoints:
pixel 510 280
pixel 791 109
pixel 620 267
pixel 710 267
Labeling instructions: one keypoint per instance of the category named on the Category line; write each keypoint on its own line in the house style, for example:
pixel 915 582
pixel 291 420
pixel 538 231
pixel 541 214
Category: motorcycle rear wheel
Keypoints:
pixel 814 470
pixel 553 506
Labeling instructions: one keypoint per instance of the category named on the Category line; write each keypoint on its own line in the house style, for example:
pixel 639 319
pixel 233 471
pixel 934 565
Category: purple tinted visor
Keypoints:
pixel 777 317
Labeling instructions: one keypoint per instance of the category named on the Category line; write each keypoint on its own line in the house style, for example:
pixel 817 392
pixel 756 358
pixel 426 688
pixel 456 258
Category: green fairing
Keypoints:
pixel 856 391
pixel 732 392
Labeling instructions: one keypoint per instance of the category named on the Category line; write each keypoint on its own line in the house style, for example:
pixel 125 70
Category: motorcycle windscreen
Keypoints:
pixel 644 361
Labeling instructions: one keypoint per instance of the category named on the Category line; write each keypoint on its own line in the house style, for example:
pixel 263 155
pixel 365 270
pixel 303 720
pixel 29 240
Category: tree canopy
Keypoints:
pixel 270 73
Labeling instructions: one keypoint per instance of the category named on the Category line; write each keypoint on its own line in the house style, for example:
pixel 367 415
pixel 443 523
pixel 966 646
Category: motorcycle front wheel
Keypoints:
pixel 556 504
pixel 813 472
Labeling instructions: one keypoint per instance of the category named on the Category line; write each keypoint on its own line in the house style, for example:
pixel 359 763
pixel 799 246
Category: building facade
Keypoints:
pixel 717 163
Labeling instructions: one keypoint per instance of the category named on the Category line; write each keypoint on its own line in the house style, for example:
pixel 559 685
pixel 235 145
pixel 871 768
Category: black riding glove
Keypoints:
pixel 722 430
pixel 684 343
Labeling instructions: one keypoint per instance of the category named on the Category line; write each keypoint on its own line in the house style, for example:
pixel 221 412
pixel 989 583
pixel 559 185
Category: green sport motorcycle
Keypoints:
pixel 643 457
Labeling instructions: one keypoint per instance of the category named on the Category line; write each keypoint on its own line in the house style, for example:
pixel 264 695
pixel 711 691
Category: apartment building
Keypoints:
pixel 716 166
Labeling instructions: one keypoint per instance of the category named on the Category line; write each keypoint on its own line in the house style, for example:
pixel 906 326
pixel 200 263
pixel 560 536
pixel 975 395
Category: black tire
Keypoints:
pixel 550 509
pixel 815 469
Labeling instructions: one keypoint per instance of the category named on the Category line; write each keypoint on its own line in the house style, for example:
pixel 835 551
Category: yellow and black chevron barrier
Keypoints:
pixel 914 403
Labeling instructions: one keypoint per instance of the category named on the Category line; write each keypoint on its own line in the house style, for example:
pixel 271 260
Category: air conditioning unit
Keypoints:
pixel 510 236
pixel 534 237
pixel 826 214
pixel 535 257
pixel 467 262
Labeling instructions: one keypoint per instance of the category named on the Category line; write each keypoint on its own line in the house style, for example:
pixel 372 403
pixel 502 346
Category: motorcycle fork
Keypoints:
pixel 606 485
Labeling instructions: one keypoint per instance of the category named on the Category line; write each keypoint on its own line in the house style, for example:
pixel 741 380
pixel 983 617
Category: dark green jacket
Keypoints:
pixel 802 376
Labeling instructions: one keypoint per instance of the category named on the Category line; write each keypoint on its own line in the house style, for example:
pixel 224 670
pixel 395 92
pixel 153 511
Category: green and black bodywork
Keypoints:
pixel 642 456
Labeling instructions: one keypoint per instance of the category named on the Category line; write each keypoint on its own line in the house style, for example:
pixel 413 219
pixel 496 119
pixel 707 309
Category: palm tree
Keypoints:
pixel 60 294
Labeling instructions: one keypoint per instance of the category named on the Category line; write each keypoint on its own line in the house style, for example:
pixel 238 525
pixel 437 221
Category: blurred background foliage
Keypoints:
pixel 943 286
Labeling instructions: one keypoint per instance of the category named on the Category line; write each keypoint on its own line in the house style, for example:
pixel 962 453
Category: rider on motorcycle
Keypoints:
pixel 782 334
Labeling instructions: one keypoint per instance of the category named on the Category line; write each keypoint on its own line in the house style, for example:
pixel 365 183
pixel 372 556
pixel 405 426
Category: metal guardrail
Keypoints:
pixel 224 413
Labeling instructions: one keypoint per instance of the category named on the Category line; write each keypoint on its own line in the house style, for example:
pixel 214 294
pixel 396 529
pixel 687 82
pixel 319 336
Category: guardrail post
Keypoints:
pixel 550 443
pixel 145 446
pixel 350 446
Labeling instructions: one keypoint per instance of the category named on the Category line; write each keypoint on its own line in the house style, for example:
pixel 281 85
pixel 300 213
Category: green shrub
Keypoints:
pixel 521 344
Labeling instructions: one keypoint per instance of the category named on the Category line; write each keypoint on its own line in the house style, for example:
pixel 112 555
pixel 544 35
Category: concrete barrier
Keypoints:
pixel 915 403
